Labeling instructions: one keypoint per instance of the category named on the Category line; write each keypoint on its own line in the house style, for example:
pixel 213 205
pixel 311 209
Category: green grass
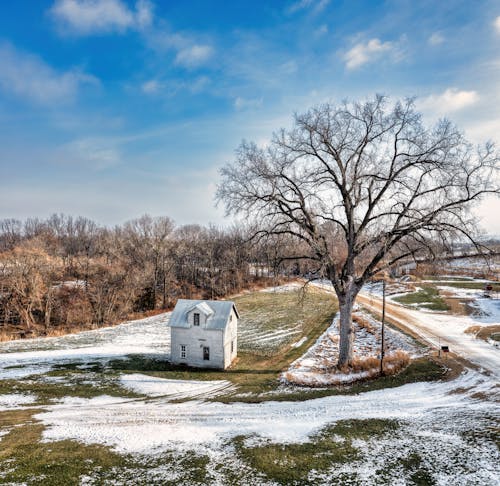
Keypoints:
pixel 257 369
pixel 412 465
pixel 265 312
pixel 74 385
pixel 451 277
pixel 427 297
pixel 468 285
pixel 23 458
pixel 293 463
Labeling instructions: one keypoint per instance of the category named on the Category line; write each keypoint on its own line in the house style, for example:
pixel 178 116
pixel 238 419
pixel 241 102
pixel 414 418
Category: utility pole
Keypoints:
pixel 383 323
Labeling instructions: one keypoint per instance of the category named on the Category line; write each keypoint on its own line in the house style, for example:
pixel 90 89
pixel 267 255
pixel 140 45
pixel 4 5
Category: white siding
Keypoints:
pixel 230 335
pixel 195 338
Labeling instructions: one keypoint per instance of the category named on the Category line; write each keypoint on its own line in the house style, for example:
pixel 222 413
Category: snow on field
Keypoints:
pixel 138 426
pixel 475 265
pixel 173 389
pixel 150 336
pixel 289 287
pixel 12 401
pixel 254 337
pixel 317 367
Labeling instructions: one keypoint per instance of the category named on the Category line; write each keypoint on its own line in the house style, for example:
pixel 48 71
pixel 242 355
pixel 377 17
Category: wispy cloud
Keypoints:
pixel 189 52
pixel 365 52
pixel 435 39
pixel 194 55
pixel 315 5
pixel 167 88
pixel 321 30
pixel 497 24
pixel 91 153
pixel 152 86
pixel 451 100
pixel 247 103
pixel 86 17
pixel 29 77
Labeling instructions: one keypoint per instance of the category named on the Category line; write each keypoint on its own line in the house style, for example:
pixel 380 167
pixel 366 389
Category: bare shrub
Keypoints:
pixel 363 322
pixel 395 362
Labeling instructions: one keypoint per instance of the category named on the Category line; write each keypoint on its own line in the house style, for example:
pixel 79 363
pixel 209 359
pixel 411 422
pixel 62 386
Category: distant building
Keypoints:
pixel 404 269
pixel 204 333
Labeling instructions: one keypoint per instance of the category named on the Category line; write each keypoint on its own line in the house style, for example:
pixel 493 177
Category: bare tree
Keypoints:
pixel 364 186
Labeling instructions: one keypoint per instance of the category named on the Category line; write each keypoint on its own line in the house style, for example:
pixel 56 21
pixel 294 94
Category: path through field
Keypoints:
pixel 441 329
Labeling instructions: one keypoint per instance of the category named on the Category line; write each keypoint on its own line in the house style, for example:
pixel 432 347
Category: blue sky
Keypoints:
pixel 114 108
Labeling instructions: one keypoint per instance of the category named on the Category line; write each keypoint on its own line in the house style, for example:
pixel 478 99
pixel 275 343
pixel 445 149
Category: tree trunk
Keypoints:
pixel 346 303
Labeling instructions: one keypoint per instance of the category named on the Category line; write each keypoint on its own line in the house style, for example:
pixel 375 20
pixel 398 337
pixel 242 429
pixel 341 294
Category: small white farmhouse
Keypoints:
pixel 203 333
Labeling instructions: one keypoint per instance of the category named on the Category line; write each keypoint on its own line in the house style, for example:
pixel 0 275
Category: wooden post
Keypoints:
pixel 383 323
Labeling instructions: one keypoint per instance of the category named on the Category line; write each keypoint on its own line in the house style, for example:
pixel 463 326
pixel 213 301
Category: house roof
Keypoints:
pixel 203 307
pixel 217 311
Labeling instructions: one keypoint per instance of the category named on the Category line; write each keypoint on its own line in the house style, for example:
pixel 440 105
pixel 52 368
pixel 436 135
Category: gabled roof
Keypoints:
pixel 203 307
pixel 217 311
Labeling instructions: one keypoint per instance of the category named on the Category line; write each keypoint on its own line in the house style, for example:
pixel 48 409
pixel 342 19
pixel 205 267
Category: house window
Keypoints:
pixel 183 351
pixel 196 319
pixel 231 318
pixel 206 353
pixel 232 347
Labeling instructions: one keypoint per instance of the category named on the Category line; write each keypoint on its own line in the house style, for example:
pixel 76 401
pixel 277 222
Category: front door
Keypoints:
pixel 206 353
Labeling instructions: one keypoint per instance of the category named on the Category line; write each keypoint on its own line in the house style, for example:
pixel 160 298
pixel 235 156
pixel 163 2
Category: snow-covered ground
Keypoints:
pixel 12 401
pixel 174 389
pixel 433 419
pixel 317 367
pixel 150 336
pixel 157 425
pixel 444 329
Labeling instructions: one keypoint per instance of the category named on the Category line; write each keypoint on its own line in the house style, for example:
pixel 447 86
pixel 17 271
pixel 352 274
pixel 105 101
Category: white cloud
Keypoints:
pixel 194 55
pixel 189 52
pixel 85 17
pixel 199 84
pixel 497 24
pixel 153 86
pixel 92 153
pixel 144 14
pixel 363 53
pixel 316 5
pixel 435 39
pixel 247 103
pixel 452 99
pixel 168 88
pixel 29 77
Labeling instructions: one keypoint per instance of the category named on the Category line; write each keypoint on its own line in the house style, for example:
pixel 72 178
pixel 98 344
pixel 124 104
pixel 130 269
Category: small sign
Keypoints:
pixel 445 349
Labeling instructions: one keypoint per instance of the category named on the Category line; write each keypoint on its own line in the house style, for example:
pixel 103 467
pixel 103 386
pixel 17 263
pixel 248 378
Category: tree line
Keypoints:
pixel 69 272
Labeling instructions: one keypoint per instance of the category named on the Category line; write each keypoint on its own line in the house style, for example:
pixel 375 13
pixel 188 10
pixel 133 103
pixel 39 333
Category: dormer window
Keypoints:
pixel 196 319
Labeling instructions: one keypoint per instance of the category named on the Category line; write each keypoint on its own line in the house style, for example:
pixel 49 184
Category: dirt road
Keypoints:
pixel 440 329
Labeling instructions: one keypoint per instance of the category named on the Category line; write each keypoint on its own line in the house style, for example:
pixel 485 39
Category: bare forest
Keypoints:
pixel 65 274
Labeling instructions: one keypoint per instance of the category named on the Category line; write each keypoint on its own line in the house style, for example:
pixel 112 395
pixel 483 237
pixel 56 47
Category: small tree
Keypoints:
pixel 362 186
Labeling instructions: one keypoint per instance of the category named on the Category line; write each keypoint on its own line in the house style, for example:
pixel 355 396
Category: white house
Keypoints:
pixel 203 333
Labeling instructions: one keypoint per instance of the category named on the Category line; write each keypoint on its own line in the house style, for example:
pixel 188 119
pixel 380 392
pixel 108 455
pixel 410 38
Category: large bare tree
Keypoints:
pixel 362 186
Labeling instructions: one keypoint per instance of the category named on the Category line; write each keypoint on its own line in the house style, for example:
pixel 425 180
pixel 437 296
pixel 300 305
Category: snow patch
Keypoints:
pixel 12 401
pixel 173 389
pixel 137 426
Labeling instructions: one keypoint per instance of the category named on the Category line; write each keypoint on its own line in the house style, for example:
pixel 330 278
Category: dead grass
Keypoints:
pixel 393 363
pixel 485 332
pixel 361 369
pixel 6 336
pixel 363 322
